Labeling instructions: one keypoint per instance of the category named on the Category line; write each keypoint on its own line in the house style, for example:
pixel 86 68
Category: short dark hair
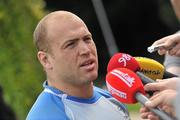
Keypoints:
pixel 41 36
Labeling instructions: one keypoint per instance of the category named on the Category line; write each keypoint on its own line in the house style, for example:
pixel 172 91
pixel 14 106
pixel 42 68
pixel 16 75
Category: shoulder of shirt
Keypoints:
pixel 46 108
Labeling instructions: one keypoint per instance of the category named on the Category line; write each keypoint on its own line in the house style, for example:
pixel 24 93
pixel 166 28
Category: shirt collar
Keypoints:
pixel 53 89
pixel 93 99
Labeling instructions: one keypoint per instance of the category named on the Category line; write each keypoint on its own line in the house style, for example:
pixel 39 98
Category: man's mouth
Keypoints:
pixel 88 65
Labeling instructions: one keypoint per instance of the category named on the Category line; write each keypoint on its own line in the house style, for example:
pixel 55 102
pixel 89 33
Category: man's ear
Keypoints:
pixel 44 60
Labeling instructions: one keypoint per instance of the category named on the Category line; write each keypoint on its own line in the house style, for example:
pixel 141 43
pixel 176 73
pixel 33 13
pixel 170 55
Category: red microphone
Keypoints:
pixel 123 84
pixel 126 86
pixel 122 60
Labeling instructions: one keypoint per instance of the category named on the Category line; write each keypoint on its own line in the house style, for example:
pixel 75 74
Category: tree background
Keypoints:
pixel 21 75
pixel 135 24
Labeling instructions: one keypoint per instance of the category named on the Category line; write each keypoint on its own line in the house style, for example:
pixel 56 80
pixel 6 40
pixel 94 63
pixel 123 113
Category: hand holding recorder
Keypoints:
pixel 170 44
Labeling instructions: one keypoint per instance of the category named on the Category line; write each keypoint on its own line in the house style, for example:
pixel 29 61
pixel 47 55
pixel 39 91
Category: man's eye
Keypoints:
pixel 88 39
pixel 70 45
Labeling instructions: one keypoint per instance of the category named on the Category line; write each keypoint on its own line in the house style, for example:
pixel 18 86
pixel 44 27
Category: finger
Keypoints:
pixel 166 108
pixel 153 117
pixel 162 51
pixel 153 86
pixel 159 80
pixel 171 41
pixel 155 95
pixel 145 115
pixel 143 112
pixel 169 110
pixel 169 83
pixel 160 41
pixel 178 53
pixel 174 49
pixel 143 109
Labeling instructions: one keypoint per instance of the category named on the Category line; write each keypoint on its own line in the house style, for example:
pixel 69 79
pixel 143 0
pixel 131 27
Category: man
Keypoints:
pixel 68 55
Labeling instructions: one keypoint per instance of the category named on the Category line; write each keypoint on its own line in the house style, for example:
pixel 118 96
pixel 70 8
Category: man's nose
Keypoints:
pixel 84 48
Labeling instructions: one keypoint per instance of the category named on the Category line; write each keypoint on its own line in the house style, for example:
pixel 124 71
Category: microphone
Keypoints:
pixel 126 86
pixel 122 60
pixel 153 68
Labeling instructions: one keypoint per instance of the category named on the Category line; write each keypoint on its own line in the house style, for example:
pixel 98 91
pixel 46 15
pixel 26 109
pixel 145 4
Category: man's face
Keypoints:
pixel 74 56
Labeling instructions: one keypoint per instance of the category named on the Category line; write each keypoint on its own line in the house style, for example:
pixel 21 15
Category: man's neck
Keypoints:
pixel 82 91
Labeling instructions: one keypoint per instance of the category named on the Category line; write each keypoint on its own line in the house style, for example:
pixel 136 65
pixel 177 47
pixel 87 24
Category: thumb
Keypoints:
pixel 149 104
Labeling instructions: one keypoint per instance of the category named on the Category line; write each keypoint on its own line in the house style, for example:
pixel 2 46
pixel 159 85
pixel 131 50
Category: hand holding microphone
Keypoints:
pixel 126 87
pixel 166 95
pixel 164 98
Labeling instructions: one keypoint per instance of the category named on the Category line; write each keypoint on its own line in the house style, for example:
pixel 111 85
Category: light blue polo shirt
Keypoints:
pixel 53 104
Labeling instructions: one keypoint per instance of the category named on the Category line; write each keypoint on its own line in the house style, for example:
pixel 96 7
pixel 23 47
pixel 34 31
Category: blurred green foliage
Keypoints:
pixel 21 75
pixel 134 107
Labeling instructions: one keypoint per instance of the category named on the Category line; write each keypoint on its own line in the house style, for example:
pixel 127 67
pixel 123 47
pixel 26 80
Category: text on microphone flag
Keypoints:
pixel 124 59
pixel 124 77
pixel 114 91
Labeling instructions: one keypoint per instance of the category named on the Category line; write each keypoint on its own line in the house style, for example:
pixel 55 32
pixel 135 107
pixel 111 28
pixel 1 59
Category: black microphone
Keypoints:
pixel 168 75
pixel 145 80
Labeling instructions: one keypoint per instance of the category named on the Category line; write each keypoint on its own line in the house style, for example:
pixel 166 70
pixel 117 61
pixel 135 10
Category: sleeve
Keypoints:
pixel 176 103
pixel 171 61
pixel 47 107
pixel 172 64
